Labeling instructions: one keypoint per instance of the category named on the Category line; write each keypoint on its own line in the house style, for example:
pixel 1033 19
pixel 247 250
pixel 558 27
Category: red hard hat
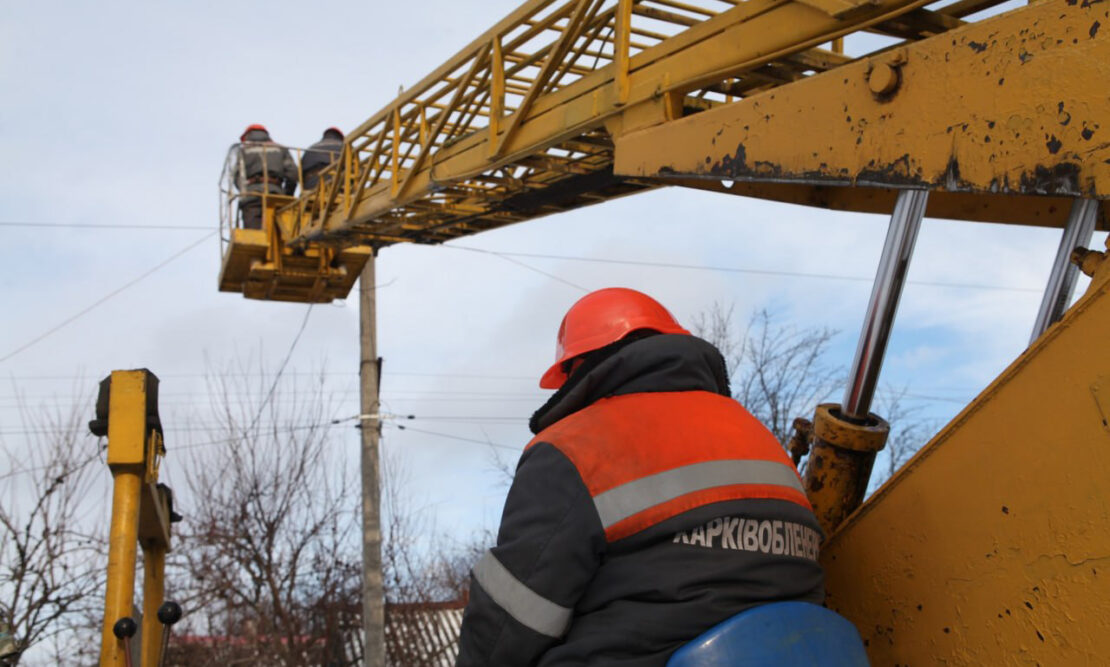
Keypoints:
pixel 601 318
pixel 336 130
pixel 251 127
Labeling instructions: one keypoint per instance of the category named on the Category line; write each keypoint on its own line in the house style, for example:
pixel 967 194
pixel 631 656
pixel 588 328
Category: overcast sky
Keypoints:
pixel 121 113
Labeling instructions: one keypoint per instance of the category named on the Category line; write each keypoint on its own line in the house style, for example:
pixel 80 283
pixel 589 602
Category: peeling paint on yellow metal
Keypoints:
pixel 1013 104
pixel 1039 211
pixel 991 545
pixel 840 460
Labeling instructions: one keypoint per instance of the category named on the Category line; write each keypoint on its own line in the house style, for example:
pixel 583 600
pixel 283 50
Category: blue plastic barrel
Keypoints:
pixel 782 634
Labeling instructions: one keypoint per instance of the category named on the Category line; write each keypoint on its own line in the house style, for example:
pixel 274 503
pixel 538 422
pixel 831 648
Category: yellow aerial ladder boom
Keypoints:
pixel 549 111
pixel 521 122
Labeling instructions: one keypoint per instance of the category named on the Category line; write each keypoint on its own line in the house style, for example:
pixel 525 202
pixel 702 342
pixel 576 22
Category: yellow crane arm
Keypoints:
pixel 566 103
pixel 521 122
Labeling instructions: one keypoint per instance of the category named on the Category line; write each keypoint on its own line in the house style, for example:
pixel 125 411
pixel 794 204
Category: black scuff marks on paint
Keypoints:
pixel 1059 179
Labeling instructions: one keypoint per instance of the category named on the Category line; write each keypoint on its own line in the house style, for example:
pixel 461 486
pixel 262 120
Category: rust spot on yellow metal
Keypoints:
pixel 944 129
pixel 840 462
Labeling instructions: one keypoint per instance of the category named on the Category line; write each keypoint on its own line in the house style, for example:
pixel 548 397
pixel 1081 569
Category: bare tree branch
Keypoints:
pixel 51 564
pixel 778 371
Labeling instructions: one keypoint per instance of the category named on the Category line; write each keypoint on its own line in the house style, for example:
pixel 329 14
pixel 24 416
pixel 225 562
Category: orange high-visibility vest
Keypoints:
pixel 647 457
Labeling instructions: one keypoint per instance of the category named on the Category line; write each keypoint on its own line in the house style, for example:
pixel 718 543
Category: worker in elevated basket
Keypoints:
pixel 319 155
pixel 260 165
pixel 649 507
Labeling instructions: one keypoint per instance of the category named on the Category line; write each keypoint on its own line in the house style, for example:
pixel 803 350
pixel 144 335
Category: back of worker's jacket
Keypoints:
pixel 649 507
pixel 319 155
pixel 263 166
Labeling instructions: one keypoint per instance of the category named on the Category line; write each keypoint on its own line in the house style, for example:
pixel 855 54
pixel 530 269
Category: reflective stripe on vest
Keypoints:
pixel 648 457
pixel 522 603
pixel 627 500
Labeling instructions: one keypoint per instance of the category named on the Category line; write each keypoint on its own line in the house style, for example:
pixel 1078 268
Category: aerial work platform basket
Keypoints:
pixel 259 264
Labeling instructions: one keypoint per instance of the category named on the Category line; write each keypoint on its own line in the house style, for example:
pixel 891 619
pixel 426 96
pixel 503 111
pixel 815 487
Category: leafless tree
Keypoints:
pixel 909 431
pixel 269 556
pixel 778 371
pixel 51 551
pixel 269 560
pixel 426 575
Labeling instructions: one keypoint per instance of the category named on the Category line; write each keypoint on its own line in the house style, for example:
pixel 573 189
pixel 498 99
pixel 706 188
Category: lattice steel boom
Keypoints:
pixel 521 122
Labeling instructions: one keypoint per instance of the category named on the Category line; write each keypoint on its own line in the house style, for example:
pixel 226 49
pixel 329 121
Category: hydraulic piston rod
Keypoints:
pixel 1061 282
pixel 901 236
pixel 846 437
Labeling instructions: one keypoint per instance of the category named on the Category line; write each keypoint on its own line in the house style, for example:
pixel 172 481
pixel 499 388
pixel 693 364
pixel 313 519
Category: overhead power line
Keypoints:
pixel 406 427
pixel 507 257
pixel 106 297
pixel 732 269
pixel 96 225
pixel 477 376
pixel 281 369
pixel 27 471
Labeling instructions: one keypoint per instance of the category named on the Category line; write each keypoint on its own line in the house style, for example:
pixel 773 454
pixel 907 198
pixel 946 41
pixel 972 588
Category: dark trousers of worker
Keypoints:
pixel 250 212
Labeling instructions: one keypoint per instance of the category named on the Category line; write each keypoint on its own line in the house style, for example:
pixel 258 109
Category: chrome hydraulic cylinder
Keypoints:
pixel 847 437
pixel 890 277
pixel 1061 282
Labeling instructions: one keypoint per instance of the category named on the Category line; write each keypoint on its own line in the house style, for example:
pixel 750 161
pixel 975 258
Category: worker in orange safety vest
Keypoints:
pixel 649 507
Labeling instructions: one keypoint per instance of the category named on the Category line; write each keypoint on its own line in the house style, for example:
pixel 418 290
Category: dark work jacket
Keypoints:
pixel 260 165
pixel 319 155
pixel 650 507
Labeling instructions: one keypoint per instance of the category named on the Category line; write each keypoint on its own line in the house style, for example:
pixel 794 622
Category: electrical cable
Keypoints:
pixel 507 258
pixel 281 369
pixel 404 427
pixel 27 471
pixel 477 376
pixel 108 296
pixel 727 269
pixel 75 225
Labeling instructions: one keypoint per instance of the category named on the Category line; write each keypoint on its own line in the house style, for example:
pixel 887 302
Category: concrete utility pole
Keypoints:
pixel 373 599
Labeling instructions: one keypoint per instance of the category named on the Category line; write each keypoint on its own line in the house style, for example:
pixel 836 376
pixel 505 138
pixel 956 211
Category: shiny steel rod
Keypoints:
pixel 1061 282
pixel 877 323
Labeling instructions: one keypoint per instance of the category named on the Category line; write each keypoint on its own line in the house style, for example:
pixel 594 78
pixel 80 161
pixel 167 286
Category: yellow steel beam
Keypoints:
pixel 990 547
pixel 141 512
pixel 154 586
pixel 127 443
pixel 568 99
pixel 1015 104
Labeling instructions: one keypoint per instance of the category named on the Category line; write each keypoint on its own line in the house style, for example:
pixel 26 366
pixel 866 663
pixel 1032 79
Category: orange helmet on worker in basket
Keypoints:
pixel 601 318
pixel 250 128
